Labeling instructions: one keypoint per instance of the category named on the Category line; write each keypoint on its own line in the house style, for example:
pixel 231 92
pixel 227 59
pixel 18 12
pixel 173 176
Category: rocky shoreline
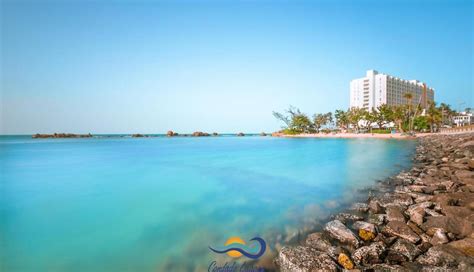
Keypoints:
pixel 424 223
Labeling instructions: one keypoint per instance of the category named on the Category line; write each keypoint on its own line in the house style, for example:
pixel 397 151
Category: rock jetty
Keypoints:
pixel 61 135
pixel 425 222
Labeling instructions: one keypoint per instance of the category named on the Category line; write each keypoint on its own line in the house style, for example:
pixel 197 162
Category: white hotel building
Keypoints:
pixel 376 89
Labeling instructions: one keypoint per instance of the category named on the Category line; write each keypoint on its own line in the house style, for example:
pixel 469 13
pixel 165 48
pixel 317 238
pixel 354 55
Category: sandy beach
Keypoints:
pixel 349 135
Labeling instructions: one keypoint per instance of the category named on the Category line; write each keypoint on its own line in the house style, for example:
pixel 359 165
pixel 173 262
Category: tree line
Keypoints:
pixel 404 118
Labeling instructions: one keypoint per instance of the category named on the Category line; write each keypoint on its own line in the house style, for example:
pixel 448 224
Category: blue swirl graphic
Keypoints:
pixel 249 252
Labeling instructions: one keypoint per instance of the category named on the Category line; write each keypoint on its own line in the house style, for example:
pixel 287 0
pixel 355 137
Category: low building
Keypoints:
pixel 463 119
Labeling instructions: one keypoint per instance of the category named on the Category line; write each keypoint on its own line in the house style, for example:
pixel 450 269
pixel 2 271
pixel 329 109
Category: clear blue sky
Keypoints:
pixel 129 67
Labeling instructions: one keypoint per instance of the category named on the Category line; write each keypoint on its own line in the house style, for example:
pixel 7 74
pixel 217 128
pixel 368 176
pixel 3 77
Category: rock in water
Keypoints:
pixel 302 259
pixel 338 231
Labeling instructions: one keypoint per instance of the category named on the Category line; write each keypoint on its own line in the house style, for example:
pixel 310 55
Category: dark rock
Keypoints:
pixel 301 258
pixel 240 134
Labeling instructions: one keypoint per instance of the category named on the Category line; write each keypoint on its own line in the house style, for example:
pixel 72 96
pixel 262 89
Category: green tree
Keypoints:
pixel 321 119
pixel 434 116
pixel 342 120
pixel 420 123
pixel 398 115
pixel 354 116
pixel 383 115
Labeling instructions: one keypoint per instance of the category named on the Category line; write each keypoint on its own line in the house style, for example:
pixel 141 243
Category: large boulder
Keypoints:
pixel 302 259
pixel 394 213
pixel 465 245
pixel 339 232
pixel 366 231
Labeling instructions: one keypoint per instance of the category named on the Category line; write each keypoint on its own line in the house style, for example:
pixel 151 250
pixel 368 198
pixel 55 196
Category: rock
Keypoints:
pixel 215 134
pixel 414 227
pixel 301 258
pixel 431 212
pixel 458 226
pixel 360 207
pixel 171 133
pixel 396 199
pixel 200 134
pixel 400 229
pixel 394 214
pixel 347 217
pixel 406 249
pixel 387 268
pixel 366 231
pixel 446 257
pixel 471 164
pixel 316 241
pixel 338 231
pixel 240 134
pixel 439 237
pixel 465 245
pixel 377 219
pixel 371 254
pixel 416 215
pixel 345 261
pixel 375 207
pixel 263 134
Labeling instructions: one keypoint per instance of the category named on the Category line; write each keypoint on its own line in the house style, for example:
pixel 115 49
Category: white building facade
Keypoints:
pixel 376 89
pixel 463 119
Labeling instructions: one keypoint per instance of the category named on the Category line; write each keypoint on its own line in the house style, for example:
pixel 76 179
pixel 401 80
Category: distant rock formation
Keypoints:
pixel 240 134
pixel 200 134
pixel 61 135
pixel 171 133
pixel 138 135
pixel 263 134
pixel 215 134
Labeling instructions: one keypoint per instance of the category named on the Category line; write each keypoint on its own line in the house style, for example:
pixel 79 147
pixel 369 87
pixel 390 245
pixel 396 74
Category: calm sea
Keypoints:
pixel 155 204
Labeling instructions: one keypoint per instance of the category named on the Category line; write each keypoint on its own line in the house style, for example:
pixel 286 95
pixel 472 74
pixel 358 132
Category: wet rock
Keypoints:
pixel 406 249
pixel 394 213
pixel 338 231
pixel 347 217
pixel 371 254
pixel 400 229
pixel 301 259
pixel 345 261
pixel 446 257
pixel 360 207
pixel 316 241
pixel 439 237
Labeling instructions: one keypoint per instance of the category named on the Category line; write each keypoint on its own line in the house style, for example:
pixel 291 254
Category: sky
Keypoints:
pixel 224 66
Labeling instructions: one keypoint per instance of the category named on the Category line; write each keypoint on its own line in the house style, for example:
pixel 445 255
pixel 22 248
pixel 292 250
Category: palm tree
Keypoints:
pixel 434 116
pixel 409 100
pixel 398 115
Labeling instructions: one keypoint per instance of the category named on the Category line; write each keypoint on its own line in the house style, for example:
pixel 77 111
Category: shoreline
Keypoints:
pixel 423 222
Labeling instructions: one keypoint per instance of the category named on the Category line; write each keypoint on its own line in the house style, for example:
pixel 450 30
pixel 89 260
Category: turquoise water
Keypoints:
pixel 154 204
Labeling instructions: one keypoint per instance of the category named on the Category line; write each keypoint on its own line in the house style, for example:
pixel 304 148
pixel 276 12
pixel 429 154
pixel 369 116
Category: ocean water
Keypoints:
pixel 156 204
